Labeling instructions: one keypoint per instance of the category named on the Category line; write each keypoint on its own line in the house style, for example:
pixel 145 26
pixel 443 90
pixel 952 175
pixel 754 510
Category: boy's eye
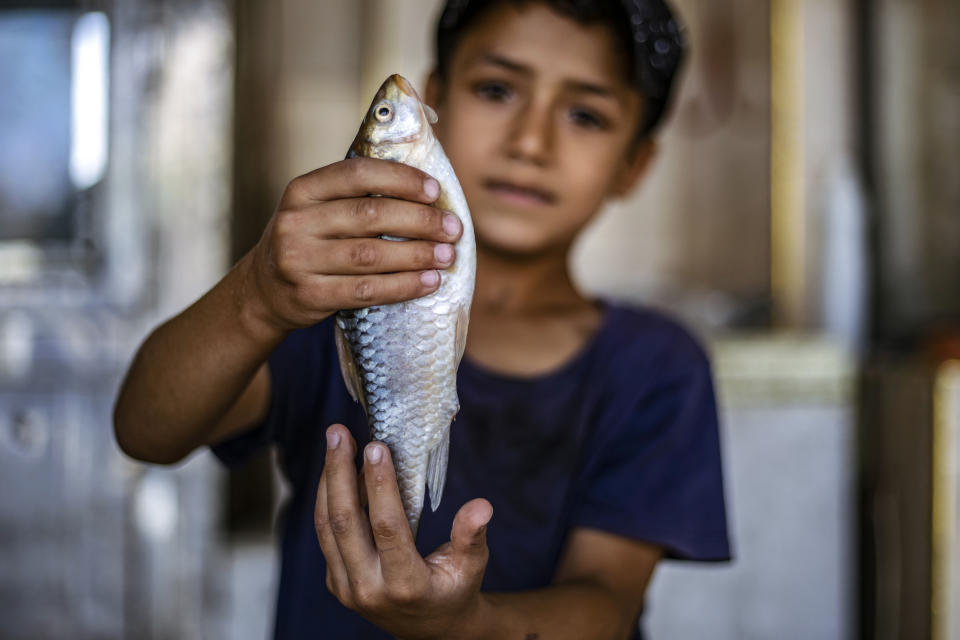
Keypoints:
pixel 587 118
pixel 494 91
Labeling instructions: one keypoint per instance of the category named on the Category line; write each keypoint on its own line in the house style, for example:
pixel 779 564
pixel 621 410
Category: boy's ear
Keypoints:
pixel 433 93
pixel 638 161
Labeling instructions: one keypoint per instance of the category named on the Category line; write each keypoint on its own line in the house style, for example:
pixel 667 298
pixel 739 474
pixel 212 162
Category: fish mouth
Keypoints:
pixel 518 193
pixel 404 86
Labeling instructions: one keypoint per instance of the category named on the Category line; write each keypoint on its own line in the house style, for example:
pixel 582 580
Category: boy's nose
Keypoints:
pixel 531 136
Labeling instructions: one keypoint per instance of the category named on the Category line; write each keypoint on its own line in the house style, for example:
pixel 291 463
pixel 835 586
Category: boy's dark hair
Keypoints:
pixel 646 32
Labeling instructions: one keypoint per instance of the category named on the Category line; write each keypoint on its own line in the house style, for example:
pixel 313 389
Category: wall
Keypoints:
pixel 705 203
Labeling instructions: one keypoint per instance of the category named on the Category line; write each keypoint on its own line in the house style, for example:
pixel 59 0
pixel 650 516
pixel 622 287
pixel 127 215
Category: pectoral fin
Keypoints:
pixel 348 368
pixel 430 113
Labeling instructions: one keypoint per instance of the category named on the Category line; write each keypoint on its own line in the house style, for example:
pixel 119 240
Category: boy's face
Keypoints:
pixel 539 122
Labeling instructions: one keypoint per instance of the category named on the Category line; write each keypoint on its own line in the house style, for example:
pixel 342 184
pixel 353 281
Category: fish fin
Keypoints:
pixel 437 469
pixel 430 113
pixel 463 321
pixel 348 368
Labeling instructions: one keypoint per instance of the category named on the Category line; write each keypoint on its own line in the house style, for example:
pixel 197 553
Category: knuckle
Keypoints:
pixel 404 593
pixel 385 530
pixel 341 521
pixel 344 598
pixel 363 596
pixel 295 187
pixel 342 595
pixel 285 224
pixel 429 220
pixel 368 210
pixel 364 290
pixel 298 189
pixel 359 169
pixel 322 524
pixel 426 256
pixel 302 294
pixel 364 254
pixel 284 253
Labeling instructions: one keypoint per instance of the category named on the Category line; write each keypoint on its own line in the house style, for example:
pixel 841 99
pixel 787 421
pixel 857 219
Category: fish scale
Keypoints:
pixel 400 360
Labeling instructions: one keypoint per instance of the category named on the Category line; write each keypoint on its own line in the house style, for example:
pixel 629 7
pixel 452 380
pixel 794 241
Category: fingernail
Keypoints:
pixel 486 520
pixel 374 453
pixel 333 439
pixel 451 224
pixel 431 188
pixel 443 253
pixel 430 278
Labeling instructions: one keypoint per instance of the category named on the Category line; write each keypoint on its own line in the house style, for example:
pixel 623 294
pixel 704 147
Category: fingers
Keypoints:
pixel 468 536
pixel 322 250
pixel 373 565
pixel 355 292
pixel 337 581
pixel 348 522
pixel 367 217
pixel 400 563
pixel 357 256
pixel 359 177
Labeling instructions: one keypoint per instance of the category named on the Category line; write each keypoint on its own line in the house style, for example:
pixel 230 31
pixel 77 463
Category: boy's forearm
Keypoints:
pixel 583 610
pixel 191 370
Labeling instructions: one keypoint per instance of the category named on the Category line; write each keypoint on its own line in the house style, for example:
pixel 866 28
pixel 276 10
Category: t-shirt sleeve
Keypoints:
pixel 653 471
pixel 298 376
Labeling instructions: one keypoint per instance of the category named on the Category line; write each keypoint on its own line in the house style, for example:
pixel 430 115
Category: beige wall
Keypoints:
pixel 298 99
pixel 696 234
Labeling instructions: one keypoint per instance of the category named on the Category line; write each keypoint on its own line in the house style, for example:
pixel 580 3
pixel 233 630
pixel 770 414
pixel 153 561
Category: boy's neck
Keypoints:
pixel 512 285
pixel 527 317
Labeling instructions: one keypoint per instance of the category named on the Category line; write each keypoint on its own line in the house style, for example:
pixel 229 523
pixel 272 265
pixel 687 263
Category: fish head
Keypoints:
pixel 396 122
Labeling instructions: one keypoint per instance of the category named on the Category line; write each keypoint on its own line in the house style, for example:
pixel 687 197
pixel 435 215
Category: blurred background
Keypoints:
pixel 803 216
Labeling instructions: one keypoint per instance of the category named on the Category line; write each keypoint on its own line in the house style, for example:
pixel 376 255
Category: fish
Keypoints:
pixel 400 360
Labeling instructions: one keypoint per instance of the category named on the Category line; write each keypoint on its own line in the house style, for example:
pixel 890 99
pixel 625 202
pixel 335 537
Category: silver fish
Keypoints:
pixel 400 360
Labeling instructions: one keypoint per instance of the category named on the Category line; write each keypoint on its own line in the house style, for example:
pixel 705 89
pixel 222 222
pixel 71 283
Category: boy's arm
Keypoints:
pixel 200 377
pixel 374 568
pixel 597 593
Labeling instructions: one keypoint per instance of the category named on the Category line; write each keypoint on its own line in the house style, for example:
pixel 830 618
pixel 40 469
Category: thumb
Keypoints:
pixel 468 537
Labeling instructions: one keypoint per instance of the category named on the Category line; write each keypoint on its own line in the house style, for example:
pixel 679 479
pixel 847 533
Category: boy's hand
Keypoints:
pixel 321 251
pixel 373 566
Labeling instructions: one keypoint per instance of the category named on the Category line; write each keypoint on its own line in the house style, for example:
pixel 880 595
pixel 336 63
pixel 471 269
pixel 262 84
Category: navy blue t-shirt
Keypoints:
pixel 622 438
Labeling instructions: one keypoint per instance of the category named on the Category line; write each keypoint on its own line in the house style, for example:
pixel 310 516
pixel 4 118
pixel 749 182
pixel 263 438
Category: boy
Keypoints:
pixel 590 429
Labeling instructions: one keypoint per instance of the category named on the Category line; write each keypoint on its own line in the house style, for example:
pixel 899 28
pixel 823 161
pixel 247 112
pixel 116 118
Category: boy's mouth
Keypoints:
pixel 519 193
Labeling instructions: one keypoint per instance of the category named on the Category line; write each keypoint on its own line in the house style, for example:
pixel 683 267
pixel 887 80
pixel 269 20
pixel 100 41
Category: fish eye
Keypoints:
pixel 383 113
